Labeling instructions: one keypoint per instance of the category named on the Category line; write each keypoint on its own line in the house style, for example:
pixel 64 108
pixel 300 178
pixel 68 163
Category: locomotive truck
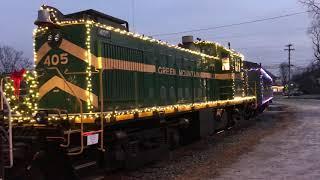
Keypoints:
pixel 109 98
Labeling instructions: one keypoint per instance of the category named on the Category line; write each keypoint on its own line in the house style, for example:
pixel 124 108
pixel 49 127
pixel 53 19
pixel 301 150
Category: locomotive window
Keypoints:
pixel 172 93
pixel 151 92
pixel 180 96
pixel 237 65
pixel 225 64
pixel 211 67
pixel 187 93
pixel 163 93
pixel 199 92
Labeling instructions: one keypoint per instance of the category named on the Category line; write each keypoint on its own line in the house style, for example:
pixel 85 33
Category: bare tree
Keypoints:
pixel 313 6
pixel 284 72
pixel 314 31
pixel 11 59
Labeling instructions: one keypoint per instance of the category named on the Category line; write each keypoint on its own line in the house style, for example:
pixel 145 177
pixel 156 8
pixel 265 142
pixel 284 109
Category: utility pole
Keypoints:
pixel 289 49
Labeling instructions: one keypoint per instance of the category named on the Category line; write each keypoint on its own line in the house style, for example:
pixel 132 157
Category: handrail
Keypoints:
pixel 1 87
pixel 101 131
pixel 79 72
pixel 68 138
pixel 255 94
pixel 101 113
pixel 81 115
pixel 9 129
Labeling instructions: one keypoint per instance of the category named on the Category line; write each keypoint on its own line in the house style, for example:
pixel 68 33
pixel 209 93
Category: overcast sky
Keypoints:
pixel 260 42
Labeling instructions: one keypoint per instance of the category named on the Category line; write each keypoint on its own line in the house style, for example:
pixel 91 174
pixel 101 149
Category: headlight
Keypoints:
pixel 42 117
pixel 50 37
pixel 57 37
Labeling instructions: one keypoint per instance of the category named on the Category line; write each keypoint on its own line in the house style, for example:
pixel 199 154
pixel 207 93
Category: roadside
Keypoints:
pixel 305 96
pixel 292 153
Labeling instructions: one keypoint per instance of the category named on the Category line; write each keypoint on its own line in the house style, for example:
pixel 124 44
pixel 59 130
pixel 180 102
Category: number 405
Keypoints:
pixel 56 59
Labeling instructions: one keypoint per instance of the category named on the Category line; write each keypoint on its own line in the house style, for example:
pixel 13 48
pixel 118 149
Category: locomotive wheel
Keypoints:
pixel 25 167
pixel 248 114
pixel 50 166
pixel 237 117
pixel 40 165
pixel 22 156
pixel 35 173
pixel 173 138
pixel 222 121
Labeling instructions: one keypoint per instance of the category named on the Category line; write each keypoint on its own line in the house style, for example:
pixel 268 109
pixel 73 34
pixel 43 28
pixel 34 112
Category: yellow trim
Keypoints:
pixel 224 76
pixel 170 109
pixel 184 108
pixel 206 75
pixel 124 117
pixel 42 51
pixel 59 83
pixel 109 63
pixel 105 63
pixel 145 114
pixel 87 120
pixel 200 106
pixel 73 49
pixel 239 75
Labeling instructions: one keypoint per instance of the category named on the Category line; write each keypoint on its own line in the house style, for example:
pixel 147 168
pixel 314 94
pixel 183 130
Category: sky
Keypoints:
pixel 262 42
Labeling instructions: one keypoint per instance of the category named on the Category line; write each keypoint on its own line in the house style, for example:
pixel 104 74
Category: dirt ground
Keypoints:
pixel 293 153
pixel 282 143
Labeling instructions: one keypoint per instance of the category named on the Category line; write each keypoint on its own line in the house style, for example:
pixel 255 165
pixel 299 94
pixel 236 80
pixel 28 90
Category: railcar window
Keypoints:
pixel 172 93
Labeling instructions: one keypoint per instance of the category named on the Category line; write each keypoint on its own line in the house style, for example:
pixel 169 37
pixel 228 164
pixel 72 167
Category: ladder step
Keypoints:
pixel 74 149
pixel 101 177
pixel 85 165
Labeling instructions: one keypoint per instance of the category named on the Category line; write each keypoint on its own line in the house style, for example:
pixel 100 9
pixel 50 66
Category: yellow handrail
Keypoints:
pixel 81 116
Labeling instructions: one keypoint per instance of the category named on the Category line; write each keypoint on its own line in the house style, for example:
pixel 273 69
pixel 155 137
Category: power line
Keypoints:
pixel 230 25
pixel 224 37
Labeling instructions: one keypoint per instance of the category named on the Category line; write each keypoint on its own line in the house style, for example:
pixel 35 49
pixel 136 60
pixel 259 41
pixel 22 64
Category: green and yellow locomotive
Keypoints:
pixel 110 98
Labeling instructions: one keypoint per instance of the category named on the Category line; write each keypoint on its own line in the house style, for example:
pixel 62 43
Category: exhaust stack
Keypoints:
pixel 187 42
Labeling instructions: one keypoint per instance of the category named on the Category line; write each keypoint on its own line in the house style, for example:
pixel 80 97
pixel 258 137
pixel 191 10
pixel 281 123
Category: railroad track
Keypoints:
pixel 188 151
pixel 197 152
